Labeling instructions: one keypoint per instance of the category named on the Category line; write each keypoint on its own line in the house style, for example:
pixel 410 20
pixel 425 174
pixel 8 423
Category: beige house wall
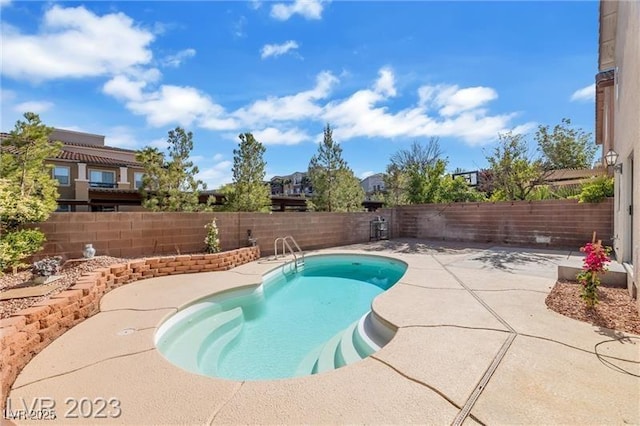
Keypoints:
pixel 626 134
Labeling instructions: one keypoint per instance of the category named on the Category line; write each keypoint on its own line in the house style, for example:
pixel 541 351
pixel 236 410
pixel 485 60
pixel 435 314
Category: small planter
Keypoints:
pixel 41 280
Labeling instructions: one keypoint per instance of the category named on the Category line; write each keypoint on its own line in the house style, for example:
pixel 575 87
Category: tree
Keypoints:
pixel 170 184
pixel 514 174
pixel 419 170
pixel 395 183
pixel 457 190
pixel 565 147
pixel 418 156
pixel 250 193
pixel 28 191
pixel 335 187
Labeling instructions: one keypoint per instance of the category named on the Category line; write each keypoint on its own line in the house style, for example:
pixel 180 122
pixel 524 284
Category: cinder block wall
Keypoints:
pixel 147 234
pixel 555 223
pixel 552 223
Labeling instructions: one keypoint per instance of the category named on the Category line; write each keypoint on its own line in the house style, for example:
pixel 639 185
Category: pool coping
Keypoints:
pixel 413 391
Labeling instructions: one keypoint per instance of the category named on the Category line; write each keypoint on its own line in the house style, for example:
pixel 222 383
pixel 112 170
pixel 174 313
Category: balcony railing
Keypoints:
pixel 103 185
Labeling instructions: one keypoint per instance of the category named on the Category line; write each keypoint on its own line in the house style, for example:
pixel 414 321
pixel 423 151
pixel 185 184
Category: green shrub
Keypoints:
pixel 17 245
pixel 596 189
pixel 212 240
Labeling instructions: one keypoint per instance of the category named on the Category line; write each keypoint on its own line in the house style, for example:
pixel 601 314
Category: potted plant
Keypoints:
pixel 46 268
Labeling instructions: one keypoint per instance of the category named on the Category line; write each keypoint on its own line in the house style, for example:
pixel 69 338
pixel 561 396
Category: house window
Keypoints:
pixel 101 208
pixel 62 174
pixel 63 208
pixel 102 179
pixel 137 180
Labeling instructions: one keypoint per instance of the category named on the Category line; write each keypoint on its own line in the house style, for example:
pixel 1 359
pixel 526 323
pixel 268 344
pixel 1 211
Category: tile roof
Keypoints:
pixel 84 158
pixel 94 159
pixel 88 145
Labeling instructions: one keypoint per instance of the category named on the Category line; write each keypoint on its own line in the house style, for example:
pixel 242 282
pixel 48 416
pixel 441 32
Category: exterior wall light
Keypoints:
pixel 611 158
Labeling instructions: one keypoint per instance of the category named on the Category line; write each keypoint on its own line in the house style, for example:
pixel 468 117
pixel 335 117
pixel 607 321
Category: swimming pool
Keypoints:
pixel 298 322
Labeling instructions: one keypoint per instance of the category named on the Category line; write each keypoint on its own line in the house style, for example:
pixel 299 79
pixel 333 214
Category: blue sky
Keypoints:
pixel 383 74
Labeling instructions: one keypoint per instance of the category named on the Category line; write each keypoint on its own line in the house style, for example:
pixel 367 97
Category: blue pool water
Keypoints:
pixel 281 322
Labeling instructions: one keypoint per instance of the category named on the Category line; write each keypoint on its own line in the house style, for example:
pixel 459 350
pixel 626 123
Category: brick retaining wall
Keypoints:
pixel 27 332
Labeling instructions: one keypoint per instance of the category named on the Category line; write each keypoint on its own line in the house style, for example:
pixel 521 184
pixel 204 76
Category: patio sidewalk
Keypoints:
pixel 475 344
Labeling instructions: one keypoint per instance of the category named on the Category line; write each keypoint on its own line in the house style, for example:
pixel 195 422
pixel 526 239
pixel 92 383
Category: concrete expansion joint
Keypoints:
pixel 420 382
pixel 430 288
pixel 513 289
pixel 212 419
pixel 465 327
pixel 83 367
pixel 163 308
pixel 484 380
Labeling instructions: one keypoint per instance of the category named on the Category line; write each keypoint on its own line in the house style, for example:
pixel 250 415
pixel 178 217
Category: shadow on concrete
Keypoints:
pixel 418 246
pixel 510 260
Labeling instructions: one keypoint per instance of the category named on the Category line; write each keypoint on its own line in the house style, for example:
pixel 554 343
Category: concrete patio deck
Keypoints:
pixel 475 345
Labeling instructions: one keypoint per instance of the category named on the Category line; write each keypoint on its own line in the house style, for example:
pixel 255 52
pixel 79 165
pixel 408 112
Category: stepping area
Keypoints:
pixel 475 344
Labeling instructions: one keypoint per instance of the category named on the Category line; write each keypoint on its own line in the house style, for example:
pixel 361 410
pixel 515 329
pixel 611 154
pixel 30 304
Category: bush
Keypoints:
pixel 17 245
pixel 596 189
pixel 594 264
pixel 212 240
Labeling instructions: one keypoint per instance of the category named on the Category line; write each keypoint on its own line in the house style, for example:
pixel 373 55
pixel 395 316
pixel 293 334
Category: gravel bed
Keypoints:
pixel 70 273
pixel 616 309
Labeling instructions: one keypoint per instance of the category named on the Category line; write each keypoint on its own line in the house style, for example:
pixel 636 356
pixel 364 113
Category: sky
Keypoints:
pixel 382 74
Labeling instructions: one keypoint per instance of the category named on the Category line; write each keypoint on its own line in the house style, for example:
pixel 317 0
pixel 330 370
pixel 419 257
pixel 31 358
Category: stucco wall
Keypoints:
pixel 627 134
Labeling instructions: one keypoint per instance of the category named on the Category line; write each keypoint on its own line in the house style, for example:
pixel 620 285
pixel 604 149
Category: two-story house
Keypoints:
pixel 372 185
pixel 93 176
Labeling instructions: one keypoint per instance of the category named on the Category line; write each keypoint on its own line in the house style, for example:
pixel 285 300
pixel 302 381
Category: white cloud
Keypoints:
pixel 586 94
pixel 175 104
pixel 366 174
pixel 302 105
pixel 7 95
pixel 385 84
pixel 452 100
pixel 216 174
pixel 176 60
pixel 445 111
pixel 123 88
pixel 33 106
pixel 5 3
pixel 218 157
pixel 309 9
pixel 255 4
pixel 276 50
pixel 65 46
pixel 170 104
pixel 159 143
pixel 121 137
pixel 238 27
pixel 273 136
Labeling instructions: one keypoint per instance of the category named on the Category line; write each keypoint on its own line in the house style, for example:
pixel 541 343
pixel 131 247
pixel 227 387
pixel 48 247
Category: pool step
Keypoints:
pixel 363 343
pixel 205 317
pixel 228 324
pixel 327 358
pixel 308 364
pixel 347 352
pixel 354 343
